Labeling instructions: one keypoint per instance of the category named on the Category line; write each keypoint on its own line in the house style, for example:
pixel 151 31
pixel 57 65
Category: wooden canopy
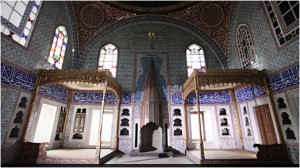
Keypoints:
pixel 98 78
pixel 78 80
pixel 222 79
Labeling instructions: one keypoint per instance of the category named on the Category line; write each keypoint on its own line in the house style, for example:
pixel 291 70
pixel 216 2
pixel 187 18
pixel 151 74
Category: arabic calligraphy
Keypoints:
pixel 248 93
pixel 94 97
pixel 205 98
pixel 17 78
pixel 54 92
pixel 285 79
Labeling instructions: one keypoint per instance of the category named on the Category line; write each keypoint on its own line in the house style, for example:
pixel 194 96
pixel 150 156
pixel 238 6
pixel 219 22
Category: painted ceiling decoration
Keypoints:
pixel 211 17
pixel 151 6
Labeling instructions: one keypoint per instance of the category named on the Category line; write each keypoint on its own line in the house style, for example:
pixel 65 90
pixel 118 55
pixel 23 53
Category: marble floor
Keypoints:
pixel 126 159
pixel 87 156
pixel 72 156
pixel 192 157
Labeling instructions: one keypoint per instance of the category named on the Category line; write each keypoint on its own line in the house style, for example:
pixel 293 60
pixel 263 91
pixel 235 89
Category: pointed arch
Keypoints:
pixel 108 58
pixel 195 58
pixel 59 45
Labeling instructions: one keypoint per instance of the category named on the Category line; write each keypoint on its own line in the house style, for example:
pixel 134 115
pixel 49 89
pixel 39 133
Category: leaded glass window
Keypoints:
pixel 284 20
pixel 109 58
pixel 245 46
pixel 58 48
pixel 195 58
pixel 18 19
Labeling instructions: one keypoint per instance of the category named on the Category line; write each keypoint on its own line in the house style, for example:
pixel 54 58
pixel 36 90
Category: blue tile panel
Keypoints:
pixel 54 92
pixel 205 98
pixel 145 61
pixel 97 97
pixel 248 93
pixel 17 78
pixel 126 98
pixel 287 78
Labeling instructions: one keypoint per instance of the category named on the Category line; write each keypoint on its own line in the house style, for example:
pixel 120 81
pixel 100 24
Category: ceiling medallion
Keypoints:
pixel 91 15
pixel 212 15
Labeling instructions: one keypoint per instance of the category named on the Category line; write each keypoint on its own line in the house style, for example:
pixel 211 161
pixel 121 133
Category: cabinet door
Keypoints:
pixel 265 123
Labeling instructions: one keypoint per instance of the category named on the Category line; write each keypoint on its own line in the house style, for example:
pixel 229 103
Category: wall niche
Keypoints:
pixel 178 132
pixel 125 112
pixel 177 112
pixel 124 131
pixel 222 111
pixel 225 131
pixel 19 117
pixel 177 122
pixel 281 103
pixel 23 102
pixel 14 133
pixel 224 122
pixel 285 118
pixel 124 122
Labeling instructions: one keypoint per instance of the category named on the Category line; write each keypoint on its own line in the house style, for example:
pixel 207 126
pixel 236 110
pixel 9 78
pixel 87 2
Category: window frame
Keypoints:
pixel 116 62
pixel 66 47
pixel 31 31
pixel 252 61
pixel 186 58
pixel 277 26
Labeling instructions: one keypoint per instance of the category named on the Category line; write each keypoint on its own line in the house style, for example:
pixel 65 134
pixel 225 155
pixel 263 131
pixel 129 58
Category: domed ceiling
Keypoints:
pixel 211 17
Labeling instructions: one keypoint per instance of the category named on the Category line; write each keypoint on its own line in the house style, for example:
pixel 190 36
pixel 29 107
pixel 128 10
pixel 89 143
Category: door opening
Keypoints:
pixel 45 124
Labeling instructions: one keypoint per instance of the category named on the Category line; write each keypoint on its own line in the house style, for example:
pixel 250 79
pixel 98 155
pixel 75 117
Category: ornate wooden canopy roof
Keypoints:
pixel 223 79
pixel 96 78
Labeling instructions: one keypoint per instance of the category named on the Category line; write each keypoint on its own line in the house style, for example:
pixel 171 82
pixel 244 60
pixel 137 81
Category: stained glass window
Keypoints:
pixel 58 49
pixel 195 58
pixel 18 19
pixel 245 46
pixel 109 58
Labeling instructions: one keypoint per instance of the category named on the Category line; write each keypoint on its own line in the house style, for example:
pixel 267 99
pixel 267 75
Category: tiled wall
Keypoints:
pixel 134 39
pixel 7 107
pixel 251 13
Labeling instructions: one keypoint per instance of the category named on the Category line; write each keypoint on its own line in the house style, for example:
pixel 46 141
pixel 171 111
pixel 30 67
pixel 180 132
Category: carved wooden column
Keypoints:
pixel 34 93
pixel 200 131
pixel 237 117
pixel 66 117
pixel 98 146
pixel 185 126
pixel 280 138
pixel 204 132
pixel 116 140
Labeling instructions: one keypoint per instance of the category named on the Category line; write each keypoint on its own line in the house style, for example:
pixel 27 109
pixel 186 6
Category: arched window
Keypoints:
pixel 245 46
pixel 59 45
pixel 18 19
pixel 108 58
pixel 195 58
